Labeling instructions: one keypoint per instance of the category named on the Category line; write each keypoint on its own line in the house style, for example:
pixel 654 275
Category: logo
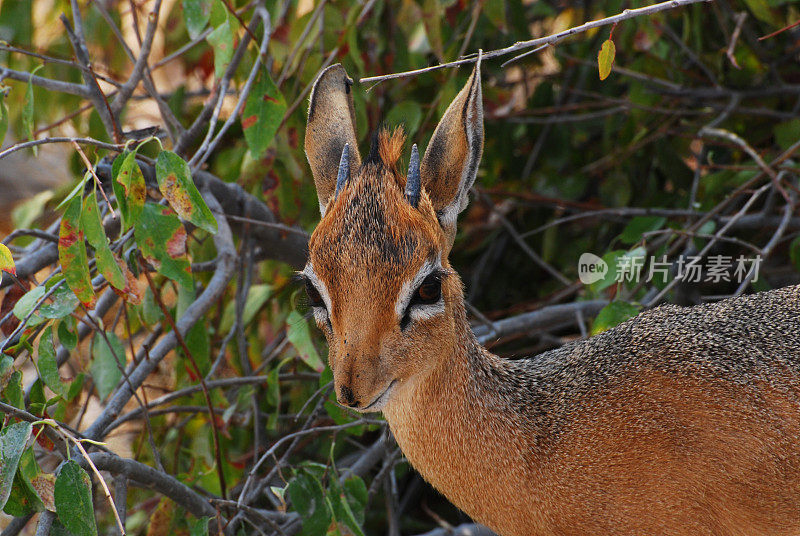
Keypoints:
pixel 591 268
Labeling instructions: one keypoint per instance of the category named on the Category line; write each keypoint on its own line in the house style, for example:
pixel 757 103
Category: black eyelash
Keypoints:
pixel 314 297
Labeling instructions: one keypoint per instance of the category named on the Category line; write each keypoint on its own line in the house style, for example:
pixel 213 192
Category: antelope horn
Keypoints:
pixel 413 182
pixel 344 169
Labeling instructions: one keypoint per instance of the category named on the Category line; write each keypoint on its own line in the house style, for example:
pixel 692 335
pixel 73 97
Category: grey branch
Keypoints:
pixel 145 476
pixel 544 318
pixel 541 42
pixel 47 83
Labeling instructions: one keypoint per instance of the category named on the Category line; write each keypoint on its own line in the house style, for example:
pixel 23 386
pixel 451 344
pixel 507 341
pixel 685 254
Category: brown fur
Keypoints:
pixel 390 146
pixel 679 421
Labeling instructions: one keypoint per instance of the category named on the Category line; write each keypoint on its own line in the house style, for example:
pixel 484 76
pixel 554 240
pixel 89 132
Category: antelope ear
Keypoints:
pixel 451 160
pixel 331 124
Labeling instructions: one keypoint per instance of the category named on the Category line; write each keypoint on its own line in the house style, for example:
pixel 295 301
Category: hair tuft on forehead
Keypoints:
pixel 390 145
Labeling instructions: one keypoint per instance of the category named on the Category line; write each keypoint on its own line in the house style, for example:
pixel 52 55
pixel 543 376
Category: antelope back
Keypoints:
pixel 377 276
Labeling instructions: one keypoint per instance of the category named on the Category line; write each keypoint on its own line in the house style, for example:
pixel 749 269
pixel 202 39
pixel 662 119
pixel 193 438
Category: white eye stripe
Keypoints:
pixel 420 312
pixel 426 311
pixel 308 271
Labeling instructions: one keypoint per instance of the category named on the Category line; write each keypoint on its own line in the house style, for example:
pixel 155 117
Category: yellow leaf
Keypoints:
pixel 6 260
pixel 605 58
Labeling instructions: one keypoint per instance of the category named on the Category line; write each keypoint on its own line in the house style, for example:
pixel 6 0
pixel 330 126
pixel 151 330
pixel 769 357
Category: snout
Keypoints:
pixel 346 397
pixel 372 399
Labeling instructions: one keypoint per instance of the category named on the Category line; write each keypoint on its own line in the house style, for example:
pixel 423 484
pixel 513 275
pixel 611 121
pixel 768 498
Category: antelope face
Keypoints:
pixel 377 277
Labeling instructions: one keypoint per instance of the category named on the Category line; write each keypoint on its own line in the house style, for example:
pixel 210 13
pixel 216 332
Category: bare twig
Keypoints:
pixel 60 139
pixel 126 90
pixel 734 38
pixel 541 41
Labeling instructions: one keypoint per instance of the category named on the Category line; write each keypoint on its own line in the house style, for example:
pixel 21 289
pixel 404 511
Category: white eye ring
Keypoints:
pixel 419 311
pixel 321 316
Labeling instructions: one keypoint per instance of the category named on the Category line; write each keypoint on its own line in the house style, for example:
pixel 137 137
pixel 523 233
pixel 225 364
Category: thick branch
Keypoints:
pixel 47 83
pixel 537 320
pixel 148 477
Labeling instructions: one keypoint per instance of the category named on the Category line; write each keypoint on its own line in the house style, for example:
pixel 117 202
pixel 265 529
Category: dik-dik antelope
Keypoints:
pixel 679 421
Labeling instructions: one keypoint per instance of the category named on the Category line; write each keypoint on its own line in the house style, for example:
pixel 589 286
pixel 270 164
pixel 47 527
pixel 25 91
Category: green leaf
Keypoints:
pixel 12 442
pixel 638 226
pixel 612 315
pixel 762 11
pixel 221 40
pixel 407 113
pixel 26 212
pixel 91 223
pixel 27 111
pixel 357 495
pixel 76 191
pixel 108 362
pixel 47 364
pixel 196 13
pixel 197 338
pixel 257 296
pixel 3 116
pixel 26 303
pixel 64 303
pixel 299 334
pixel 23 499
pixel 93 230
pixel 76 386
pixel 176 184
pixel 262 114
pixel 199 527
pixel 348 503
pixel 25 493
pixel 119 190
pixel 432 17
pixel 794 253
pixel 110 268
pixel 7 260
pixel 6 370
pixel 151 312
pixel 787 133
pixel 134 191
pixel 162 240
pixel 308 499
pixel 73 498
pixel 72 254
pixel 495 11
pixel 13 391
pixel 605 58
pixel 67 337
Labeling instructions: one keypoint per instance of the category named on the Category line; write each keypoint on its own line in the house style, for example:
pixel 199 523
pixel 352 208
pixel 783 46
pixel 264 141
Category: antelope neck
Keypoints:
pixel 458 431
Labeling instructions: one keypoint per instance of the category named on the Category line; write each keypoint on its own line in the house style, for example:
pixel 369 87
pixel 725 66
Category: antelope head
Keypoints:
pixel 378 277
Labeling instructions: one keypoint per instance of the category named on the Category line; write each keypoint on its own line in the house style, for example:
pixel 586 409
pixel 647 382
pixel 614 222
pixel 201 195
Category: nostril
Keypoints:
pixel 347 395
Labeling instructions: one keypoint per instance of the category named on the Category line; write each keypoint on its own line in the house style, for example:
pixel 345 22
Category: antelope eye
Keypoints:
pixel 430 291
pixel 314 296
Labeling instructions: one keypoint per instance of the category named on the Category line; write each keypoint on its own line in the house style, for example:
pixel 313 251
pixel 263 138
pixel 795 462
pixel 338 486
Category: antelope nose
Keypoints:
pixel 346 397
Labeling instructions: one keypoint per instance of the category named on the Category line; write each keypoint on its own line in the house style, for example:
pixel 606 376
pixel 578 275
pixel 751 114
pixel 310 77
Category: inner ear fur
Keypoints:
pixel 451 160
pixel 331 124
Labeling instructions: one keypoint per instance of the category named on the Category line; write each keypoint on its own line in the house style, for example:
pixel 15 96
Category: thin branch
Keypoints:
pixel 735 38
pixel 126 90
pixel 208 298
pixel 733 138
pixel 96 94
pixel 541 41
pixel 46 83
pixel 190 356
